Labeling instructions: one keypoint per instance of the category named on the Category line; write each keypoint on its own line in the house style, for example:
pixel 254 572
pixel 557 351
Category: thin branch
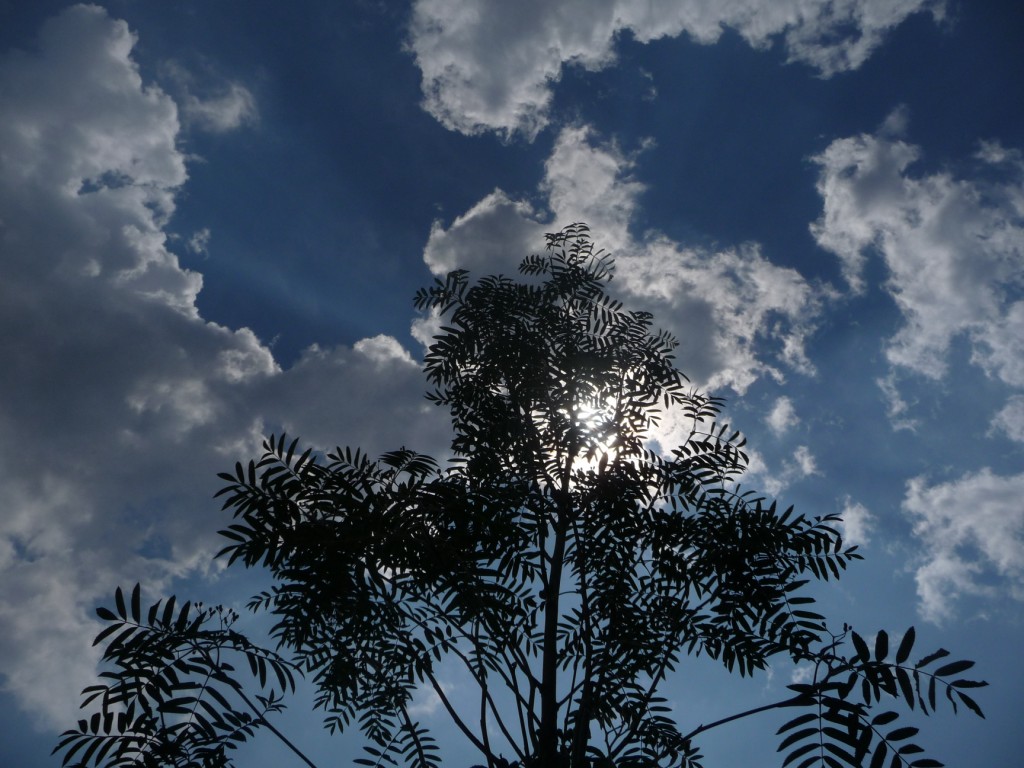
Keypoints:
pixel 791 702
pixel 261 718
pixel 455 715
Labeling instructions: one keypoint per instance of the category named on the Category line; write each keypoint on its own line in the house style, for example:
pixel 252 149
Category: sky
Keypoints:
pixel 214 216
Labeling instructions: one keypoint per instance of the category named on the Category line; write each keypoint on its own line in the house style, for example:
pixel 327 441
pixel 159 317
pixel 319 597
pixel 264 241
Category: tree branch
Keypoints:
pixel 791 702
pixel 270 727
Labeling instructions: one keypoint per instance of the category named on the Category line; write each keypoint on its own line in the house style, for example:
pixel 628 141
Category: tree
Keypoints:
pixel 560 561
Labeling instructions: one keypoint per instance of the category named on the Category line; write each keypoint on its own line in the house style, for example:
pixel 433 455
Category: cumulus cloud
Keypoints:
pixel 738 317
pixel 972 532
pixel 122 402
pixel 489 66
pixel 494 234
pixel 953 247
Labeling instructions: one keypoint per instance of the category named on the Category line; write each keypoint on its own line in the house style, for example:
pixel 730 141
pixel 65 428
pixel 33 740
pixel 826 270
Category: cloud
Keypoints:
pixel 896 403
pixel 584 180
pixel 223 105
pixel 1010 419
pixel 489 66
pixel 199 243
pixel 800 465
pixel 339 393
pixel 953 248
pixel 857 523
pixel 122 401
pixel 802 675
pixel 804 463
pixel 782 416
pixel 224 112
pixel 738 317
pixel 495 234
pixel 972 533
pixel 952 243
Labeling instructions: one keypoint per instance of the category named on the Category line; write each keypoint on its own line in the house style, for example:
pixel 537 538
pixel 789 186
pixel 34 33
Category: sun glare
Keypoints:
pixel 597 425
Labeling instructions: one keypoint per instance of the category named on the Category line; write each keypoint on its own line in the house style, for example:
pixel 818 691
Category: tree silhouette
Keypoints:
pixel 559 560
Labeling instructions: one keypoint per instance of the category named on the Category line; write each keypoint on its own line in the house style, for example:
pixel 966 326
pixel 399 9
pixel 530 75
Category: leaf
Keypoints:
pixel 796 736
pixel 90 751
pixel 861 647
pixel 798 753
pixel 182 621
pixel 903 678
pixel 105 633
pixel 136 604
pixel 902 733
pixel 106 614
pixel 954 668
pixel 906 645
pixel 969 684
pixel 881 645
pixel 884 719
pixel 942 652
pixel 841 753
pixel 168 615
pixel 797 721
pixel 971 704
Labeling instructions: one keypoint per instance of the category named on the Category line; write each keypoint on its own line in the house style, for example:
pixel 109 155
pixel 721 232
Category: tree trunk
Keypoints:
pixel 547 746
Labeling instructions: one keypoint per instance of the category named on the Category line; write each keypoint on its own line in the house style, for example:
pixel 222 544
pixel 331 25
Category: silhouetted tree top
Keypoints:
pixel 556 560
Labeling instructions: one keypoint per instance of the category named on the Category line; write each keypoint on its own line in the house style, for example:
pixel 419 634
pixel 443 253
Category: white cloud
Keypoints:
pixel 782 416
pixel 224 112
pixel 972 534
pixel 340 393
pixel 1010 419
pixel 426 703
pixel 224 106
pixel 384 352
pixel 587 180
pixel 804 464
pixel 199 243
pixel 802 675
pixel 774 481
pixel 122 402
pixel 896 404
pixel 857 523
pixel 953 247
pixel 490 65
pixel 495 234
pixel 738 316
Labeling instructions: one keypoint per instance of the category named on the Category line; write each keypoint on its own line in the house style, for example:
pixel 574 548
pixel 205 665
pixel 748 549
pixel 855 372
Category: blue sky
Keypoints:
pixel 213 217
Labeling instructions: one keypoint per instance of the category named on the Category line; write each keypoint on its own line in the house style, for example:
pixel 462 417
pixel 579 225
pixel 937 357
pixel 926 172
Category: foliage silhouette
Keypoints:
pixel 562 563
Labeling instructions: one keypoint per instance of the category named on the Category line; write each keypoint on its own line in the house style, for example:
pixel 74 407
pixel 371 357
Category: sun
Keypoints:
pixel 598 429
